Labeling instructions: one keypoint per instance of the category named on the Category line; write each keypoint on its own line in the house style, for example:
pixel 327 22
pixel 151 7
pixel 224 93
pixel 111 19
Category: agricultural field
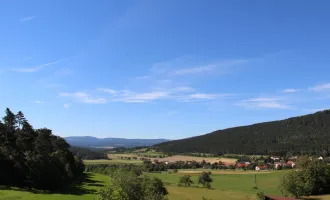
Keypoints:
pixel 84 191
pixel 227 161
pixel 235 186
pixel 113 161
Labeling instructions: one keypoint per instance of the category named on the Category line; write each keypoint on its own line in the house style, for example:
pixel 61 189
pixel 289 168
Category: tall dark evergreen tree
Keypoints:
pixel 34 158
pixel 20 118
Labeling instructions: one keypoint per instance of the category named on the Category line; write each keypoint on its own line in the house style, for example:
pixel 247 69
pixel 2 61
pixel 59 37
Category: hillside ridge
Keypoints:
pixel 306 133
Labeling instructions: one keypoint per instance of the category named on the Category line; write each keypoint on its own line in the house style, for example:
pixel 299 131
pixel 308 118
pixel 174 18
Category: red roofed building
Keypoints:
pixel 291 163
pixel 242 165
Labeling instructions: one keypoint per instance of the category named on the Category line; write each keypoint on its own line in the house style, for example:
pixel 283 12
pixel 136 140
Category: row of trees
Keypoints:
pixel 34 157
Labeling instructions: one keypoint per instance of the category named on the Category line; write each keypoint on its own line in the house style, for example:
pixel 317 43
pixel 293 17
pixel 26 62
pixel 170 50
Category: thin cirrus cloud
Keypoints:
pixel 142 77
pixel 290 90
pixel 107 90
pixel 27 58
pixel 38 102
pixel 134 97
pixel 271 103
pixel 209 67
pixel 194 70
pixel 34 69
pixel 320 87
pixel 24 19
pixel 84 97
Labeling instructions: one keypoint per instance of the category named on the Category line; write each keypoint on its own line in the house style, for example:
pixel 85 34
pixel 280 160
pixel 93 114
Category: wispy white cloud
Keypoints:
pixel 142 77
pixel 39 102
pixel 67 105
pixel 261 99
pixel 107 90
pixel 133 97
pixel 183 89
pixel 273 103
pixel 27 18
pixel 27 58
pixel 313 110
pixel 202 96
pixel 34 69
pixel 320 87
pixel 194 70
pixel 291 90
pixel 85 98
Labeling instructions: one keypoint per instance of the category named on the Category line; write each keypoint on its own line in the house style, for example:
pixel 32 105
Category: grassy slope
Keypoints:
pixel 82 192
pixel 225 186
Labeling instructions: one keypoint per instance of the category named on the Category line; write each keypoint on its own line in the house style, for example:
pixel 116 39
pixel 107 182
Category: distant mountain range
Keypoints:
pixel 107 143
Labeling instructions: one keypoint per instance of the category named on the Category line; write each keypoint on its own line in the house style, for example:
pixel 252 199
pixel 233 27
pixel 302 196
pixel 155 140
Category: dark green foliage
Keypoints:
pixel 309 134
pixel 260 196
pixel 34 158
pixel 185 180
pixel 129 186
pixel 87 154
pixel 205 179
pixel 312 178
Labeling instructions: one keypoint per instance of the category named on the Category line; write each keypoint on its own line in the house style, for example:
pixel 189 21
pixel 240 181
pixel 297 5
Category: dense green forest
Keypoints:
pixel 34 158
pixel 87 154
pixel 308 134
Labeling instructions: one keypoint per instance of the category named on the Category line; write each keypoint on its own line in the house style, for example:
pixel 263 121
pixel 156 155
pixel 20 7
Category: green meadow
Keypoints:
pixel 224 186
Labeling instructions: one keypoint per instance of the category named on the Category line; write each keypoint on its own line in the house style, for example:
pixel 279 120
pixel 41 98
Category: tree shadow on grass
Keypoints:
pixel 76 188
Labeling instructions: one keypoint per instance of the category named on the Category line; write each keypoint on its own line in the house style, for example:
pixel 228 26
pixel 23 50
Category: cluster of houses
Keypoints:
pixel 275 163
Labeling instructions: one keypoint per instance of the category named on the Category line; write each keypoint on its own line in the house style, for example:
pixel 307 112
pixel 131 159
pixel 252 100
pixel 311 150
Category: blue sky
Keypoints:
pixel 162 69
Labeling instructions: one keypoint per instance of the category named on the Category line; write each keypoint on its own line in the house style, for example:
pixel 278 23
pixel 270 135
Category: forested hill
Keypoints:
pixel 303 134
pixel 87 154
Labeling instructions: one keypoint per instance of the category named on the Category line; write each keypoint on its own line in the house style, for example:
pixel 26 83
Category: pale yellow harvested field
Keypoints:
pixel 228 161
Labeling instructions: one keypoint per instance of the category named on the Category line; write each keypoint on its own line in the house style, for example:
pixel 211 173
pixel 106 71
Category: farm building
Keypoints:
pixel 243 164
pixel 291 163
pixel 264 167
pixel 275 158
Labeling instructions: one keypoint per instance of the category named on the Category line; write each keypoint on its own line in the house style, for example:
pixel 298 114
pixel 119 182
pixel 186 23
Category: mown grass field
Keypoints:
pixel 84 191
pixel 232 186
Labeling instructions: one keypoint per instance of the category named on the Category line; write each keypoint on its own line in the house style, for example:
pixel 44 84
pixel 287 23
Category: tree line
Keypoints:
pixel 34 158
pixel 303 135
pixel 87 154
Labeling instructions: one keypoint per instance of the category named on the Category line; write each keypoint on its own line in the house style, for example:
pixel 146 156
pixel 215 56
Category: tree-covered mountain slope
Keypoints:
pixel 303 134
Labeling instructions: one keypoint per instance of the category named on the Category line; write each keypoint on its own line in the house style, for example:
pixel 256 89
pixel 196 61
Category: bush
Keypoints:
pixel 185 180
pixel 128 186
pixel 260 196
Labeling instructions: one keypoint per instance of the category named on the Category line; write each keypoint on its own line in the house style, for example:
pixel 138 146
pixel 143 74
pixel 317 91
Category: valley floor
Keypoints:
pixel 234 186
